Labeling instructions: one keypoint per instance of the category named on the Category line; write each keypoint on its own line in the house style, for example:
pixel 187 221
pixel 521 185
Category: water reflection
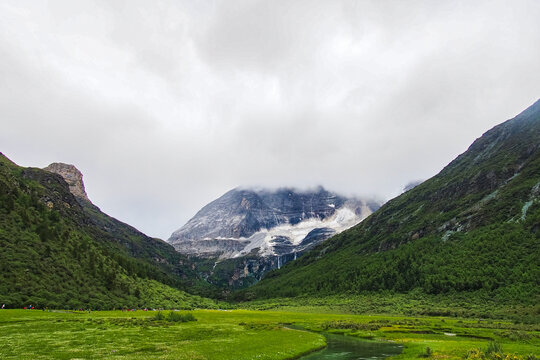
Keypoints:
pixel 350 348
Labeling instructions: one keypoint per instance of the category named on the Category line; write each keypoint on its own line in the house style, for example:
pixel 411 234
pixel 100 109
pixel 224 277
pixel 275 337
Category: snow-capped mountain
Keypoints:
pixel 268 223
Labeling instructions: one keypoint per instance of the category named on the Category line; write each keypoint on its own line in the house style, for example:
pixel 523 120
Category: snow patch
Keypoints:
pixel 343 219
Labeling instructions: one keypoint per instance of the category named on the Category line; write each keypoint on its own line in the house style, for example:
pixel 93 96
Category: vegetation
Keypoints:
pixel 137 335
pixel 57 253
pixel 458 305
pixel 241 334
pixel 223 273
pixel 494 351
pixel 454 260
pixel 174 317
pixel 473 229
pixel 428 353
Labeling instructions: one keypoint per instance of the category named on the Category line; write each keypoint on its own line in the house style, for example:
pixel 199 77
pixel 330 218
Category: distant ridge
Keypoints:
pixel 249 231
pixel 268 222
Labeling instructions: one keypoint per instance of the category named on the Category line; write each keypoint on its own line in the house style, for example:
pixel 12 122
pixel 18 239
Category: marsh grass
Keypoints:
pixel 242 334
pixel 178 317
pixel 178 335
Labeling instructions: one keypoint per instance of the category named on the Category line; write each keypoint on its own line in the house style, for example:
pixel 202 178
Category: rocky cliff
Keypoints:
pixel 72 176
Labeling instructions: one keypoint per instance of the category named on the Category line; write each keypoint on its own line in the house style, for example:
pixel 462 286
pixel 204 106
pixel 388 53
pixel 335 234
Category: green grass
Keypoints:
pixel 242 334
pixel 136 335
pixel 457 305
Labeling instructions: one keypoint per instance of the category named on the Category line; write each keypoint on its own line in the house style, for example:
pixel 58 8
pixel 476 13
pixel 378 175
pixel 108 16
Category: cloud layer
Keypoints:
pixel 166 105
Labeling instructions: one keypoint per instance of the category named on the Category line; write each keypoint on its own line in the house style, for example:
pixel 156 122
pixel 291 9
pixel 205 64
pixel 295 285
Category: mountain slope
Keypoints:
pixel 474 227
pixel 245 233
pixel 268 222
pixel 59 250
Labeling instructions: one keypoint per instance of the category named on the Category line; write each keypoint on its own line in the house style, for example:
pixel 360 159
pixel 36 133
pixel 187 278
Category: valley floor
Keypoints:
pixel 243 334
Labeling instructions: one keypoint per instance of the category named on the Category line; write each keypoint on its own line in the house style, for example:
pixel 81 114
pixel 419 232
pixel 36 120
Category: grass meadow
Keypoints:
pixel 246 334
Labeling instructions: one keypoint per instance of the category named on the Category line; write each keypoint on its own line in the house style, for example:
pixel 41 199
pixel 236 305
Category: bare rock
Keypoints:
pixel 72 176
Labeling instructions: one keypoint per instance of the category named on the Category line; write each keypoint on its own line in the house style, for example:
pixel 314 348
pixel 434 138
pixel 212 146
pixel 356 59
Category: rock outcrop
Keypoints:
pixel 72 176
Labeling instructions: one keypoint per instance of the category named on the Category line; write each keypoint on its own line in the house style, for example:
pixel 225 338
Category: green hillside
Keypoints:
pixel 472 229
pixel 61 252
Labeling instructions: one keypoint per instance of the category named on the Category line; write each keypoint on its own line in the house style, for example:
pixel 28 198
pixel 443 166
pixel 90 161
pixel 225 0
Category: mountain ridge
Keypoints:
pixel 242 215
pixel 461 230
pixel 59 250
pixel 247 232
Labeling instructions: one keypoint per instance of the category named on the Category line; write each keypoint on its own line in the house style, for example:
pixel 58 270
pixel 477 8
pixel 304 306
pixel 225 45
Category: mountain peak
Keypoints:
pixel 244 219
pixel 72 176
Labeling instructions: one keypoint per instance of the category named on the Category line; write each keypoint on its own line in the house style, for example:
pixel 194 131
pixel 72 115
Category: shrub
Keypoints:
pixel 494 348
pixel 427 353
pixel 159 316
pixel 177 317
pixel 495 354
pixel 189 317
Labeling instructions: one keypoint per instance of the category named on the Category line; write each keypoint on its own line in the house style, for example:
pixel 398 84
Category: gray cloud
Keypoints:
pixel 164 106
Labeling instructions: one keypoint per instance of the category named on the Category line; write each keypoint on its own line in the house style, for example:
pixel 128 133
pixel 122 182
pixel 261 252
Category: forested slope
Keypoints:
pixel 474 228
pixel 58 251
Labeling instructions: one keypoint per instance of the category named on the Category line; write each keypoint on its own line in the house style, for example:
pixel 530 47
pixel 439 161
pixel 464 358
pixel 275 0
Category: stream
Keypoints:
pixel 341 347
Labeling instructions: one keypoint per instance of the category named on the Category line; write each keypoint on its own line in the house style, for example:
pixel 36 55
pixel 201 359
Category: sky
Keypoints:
pixel 166 105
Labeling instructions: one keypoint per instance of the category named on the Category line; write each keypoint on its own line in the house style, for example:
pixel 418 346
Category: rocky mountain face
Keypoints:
pixel 72 176
pixel 252 231
pixel 268 222
pixel 472 228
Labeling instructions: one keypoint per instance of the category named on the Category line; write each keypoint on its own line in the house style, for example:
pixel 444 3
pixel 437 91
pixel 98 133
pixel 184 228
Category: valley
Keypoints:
pixel 449 269
pixel 269 180
pixel 249 334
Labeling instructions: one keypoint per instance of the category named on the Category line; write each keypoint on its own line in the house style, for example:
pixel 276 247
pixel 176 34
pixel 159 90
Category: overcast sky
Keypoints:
pixel 166 105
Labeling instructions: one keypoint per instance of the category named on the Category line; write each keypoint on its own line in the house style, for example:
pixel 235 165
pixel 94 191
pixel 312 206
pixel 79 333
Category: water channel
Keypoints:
pixel 340 347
